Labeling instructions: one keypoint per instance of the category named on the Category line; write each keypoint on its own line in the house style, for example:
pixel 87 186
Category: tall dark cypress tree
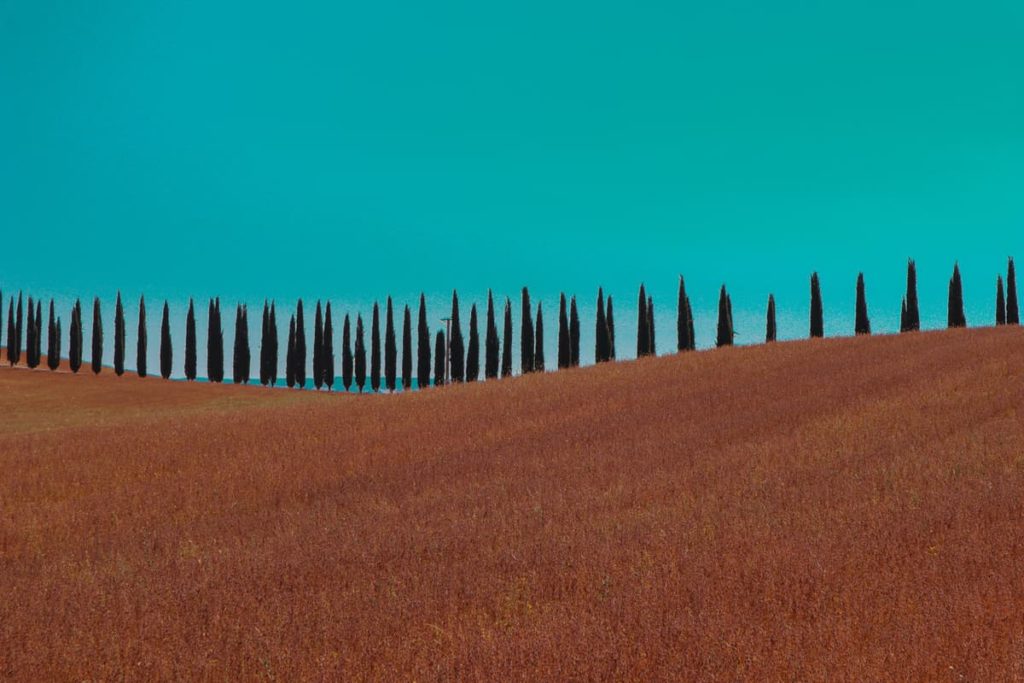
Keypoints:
pixel 601 351
pixel 318 347
pixel 390 348
pixel 491 343
pixel 955 311
pixel 375 349
pixel 538 339
pixel 1012 312
pixel 609 318
pixel 564 344
pixel 166 349
pixel 684 320
pixel 473 350
pixel 725 331
pixel 18 330
pixel 406 349
pixel 30 335
pixel 574 334
pixel 360 355
pixel 190 343
pixel 423 347
pixel 770 330
pixel 240 358
pixel 300 347
pixel 817 312
pixel 52 341
pixel 1000 302
pixel 643 328
pixel 862 324
pixel 97 337
pixel 75 338
pixel 289 363
pixel 913 317
pixel 506 342
pixel 119 336
pixel 264 345
pixel 456 347
pixel 439 359
pixel 327 355
pixel 12 330
pixel 38 351
pixel 272 354
pixel 214 344
pixel 346 354
pixel 141 340
pixel 526 346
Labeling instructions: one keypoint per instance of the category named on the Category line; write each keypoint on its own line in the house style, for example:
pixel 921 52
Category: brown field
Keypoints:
pixel 844 509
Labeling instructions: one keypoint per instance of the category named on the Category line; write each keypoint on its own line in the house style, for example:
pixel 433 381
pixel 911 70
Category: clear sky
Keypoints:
pixel 348 150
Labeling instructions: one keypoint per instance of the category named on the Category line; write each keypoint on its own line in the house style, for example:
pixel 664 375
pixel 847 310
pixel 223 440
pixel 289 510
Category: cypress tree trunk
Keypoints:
pixel 97 337
pixel 862 324
pixel 817 313
pixel 52 340
pixel 119 337
pixel 439 360
pixel 564 351
pixel 300 347
pixel 360 355
pixel 1012 312
pixel 327 355
pixel 346 355
pixel 609 317
pixel 725 331
pixel 375 349
pixel 600 331
pixel 538 339
pixel 272 355
pixel 422 347
pixel 769 334
pixel 264 345
pixel 506 356
pixel 912 321
pixel 652 346
pixel 190 343
pixel 141 341
pixel 574 334
pixel 955 311
pixel 407 349
pixel 473 351
pixel 643 329
pixel 526 349
pixel 166 349
pixel 1000 302
pixel 456 345
pixel 289 363
pixel 491 344
pixel 684 323
pixel 318 347
pixel 390 348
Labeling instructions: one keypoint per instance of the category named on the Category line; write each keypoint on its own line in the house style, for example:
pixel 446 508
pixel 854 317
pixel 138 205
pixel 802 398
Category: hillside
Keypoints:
pixel 835 509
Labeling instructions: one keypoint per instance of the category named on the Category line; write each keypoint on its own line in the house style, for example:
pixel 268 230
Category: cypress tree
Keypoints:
pixel 506 355
pixel 769 335
pixel 327 355
pixel 817 314
pixel 240 359
pixel 300 347
pixel 1000 302
pixel 653 349
pixel 564 345
pixel 574 334
pixel 79 337
pixel 390 348
pixel 119 337
pixel 11 330
pixel 538 338
pixel 862 324
pixel 609 318
pixel 643 328
pixel 407 349
pixel 955 311
pixel 97 337
pixel 456 349
pixel 214 344
pixel 19 319
pixel 272 355
pixel 289 363
pixel 264 346
pixel 600 331
pixel 190 343
pixel 491 344
pixel 1012 312
pixel 141 340
pixel 360 355
pixel 526 345
pixel 30 339
pixel 166 350
pixel 473 351
pixel 75 339
pixel 684 320
pixel 52 341
pixel 725 331
pixel 439 359
pixel 318 347
pixel 37 353
pixel 375 349
pixel 422 347
pixel 913 317
pixel 346 354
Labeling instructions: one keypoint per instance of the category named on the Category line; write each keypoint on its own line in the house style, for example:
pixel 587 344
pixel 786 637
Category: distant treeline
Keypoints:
pixel 454 360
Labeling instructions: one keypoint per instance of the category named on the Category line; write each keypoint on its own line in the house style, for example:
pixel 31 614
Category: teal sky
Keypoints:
pixel 350 150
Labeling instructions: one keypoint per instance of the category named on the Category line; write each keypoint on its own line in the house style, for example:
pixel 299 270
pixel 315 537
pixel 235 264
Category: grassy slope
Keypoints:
pixel 846 508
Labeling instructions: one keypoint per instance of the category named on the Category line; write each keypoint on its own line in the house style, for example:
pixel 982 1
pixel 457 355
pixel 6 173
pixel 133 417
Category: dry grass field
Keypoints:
pixel 843 509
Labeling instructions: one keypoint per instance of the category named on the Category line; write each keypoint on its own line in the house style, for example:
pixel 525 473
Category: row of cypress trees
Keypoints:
pixel 453 360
